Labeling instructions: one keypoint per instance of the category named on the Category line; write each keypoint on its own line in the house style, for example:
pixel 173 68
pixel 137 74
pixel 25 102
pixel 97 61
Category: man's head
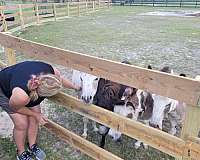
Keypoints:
pixel 44 85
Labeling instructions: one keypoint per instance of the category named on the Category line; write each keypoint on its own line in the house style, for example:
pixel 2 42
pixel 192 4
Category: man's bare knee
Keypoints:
pixel 21 125
pixel 20 121
pixel 36 109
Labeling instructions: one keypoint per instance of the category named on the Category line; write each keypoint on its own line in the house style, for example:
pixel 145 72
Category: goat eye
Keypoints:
pixel 96 79
pixel 81 78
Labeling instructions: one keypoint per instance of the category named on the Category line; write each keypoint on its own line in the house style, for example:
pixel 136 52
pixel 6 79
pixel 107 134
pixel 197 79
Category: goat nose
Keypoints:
pixel 85 99
pixel 154 125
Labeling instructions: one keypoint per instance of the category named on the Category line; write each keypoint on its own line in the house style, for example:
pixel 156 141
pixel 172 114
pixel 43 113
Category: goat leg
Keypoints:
pixel 103 139
pixel 85 129
pixel 94 126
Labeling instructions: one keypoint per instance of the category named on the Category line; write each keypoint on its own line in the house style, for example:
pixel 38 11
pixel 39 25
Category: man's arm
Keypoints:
pixel 65 82
pixel 18 100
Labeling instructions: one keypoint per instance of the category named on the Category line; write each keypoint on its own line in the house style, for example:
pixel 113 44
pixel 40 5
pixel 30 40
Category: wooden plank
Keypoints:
pixel 25 13
pixel 5 27
pixel 10 54
pixel 61 14
pixel 25 6
pixel 80 143
pixel 86 6
pixel 180 88
pixel 158 139
pixel 78 9
pixel 54 11
pixel 68 9
pixel 46 10
pixel 2 64
pixel 45 4
pixel 192 148
pixel 37 13
pixel 9 7
pixel 191 126
pixel 93 6
pixel 21 16
pixel 108 3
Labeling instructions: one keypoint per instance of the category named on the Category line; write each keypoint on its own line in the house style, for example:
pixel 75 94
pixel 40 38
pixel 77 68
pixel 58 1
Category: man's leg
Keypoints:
pixel 32 136
pixel 33 127
pixel 20 130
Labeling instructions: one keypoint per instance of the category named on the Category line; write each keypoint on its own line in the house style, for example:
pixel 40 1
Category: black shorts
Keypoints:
pixel 4 103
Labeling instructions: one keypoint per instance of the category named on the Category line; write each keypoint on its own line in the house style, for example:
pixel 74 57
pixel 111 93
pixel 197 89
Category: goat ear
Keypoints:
pixel 166 69
pixel 149 67
pixel 134 90
pixel 128 91
pixel 182 75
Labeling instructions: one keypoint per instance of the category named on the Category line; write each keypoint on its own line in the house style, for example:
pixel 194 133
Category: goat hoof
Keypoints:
pixel 119 140
pixel 96 129
pixel 172 132
pixel 137 146
pixel 145 146
pixel 84 135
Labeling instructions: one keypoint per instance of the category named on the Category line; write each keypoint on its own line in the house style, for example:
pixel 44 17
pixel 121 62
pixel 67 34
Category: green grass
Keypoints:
pixel 117 34
pixel 122 33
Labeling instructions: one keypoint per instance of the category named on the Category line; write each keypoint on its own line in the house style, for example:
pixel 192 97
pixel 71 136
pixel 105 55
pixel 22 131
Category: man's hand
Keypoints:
pixel 41 119
pixel 77 88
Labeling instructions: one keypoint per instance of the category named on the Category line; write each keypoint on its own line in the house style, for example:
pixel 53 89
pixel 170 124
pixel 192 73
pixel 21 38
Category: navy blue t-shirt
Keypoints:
pixel 18 76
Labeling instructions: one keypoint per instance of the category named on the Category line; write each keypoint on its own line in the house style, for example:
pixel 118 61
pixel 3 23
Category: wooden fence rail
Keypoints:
pixel 159 3
pixel 158 139
pixel 80 143
pixel 24 12
pixel 183 89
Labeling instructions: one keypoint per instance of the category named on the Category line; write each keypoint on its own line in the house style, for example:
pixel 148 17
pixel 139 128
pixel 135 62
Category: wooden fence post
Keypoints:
pixel 37 13
pixel 191 124
pixel 99 3
pixel 5 27
pixel 180 3
pixel 86 6
pixel 10 54
pixel 93 5
pixel 54 11
pixel 78 8
pixel 108 3
pixel 68 9
pixel 21 16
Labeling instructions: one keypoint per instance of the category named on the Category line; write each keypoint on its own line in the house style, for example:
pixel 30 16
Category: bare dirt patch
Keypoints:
pixel 173 13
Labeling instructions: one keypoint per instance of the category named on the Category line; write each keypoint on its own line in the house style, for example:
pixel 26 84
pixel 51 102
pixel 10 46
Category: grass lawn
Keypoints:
pixel 117 34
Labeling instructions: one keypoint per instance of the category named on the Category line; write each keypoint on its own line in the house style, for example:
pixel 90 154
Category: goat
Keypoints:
pixel 89 84
pixel 138 106
pixel 151 109
pixel 101 92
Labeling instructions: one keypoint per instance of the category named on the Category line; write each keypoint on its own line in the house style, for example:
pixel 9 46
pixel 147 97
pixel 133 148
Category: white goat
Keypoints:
pixel 89 84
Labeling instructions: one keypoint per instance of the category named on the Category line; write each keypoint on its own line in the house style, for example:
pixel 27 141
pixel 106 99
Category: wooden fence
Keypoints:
pixel 26 14
pixel 183 89
pixel 159 3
